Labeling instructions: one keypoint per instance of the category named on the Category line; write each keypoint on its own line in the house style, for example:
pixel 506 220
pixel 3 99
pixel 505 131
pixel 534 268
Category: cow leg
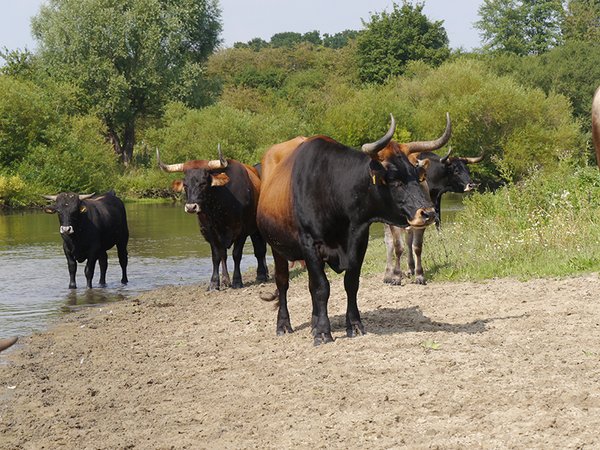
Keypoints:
pixel 354 324
pixel 260 252
pixel 216 260
pixel 438 212
pixel 282 281
pixel 238 248
pixel 90 266
pixel 318 285
pixel 394 250
pixel 225 280
pixel 417 248
pixel 103 263
pixel 123 259
pixel 72 265
pixel 410 237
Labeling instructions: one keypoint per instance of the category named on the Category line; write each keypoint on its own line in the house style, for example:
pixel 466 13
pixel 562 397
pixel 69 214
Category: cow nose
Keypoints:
pixel 423 217
pixel 66 230
pixel 469 187
pixel 192 208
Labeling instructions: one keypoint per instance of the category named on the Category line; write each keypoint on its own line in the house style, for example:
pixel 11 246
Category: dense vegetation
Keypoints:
pixel 85 113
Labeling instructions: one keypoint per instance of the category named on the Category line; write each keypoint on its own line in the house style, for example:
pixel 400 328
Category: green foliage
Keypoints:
pixel 13 191
pixel 128 57
pixel 391 40
pixel 547 225
pixel 25 114
pixel 582 21
pixel 78 159
pixel 522 27
pixel 339 40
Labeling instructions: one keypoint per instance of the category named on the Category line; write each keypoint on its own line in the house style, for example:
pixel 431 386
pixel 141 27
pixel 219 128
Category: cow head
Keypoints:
pixel 453 173
pixel 69 207
pixel 199 177
pixel 404 181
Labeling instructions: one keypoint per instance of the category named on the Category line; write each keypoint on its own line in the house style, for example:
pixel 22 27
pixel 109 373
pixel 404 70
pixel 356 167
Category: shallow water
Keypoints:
pixel 165 248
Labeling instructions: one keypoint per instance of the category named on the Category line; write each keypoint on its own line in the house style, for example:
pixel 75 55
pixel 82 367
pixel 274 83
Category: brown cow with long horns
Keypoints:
pixel 223 193
pixel 318 199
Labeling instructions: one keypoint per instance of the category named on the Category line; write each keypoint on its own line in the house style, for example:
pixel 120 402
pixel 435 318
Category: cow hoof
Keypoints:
pixel 356 330
pixel 284 328
pixel 5 343
pixel 237 285
pixel 72 286
pixel 124 281
pixel 102 285
pixel 421 281
pixel 262 278
pixel 322 338
pixel 213 287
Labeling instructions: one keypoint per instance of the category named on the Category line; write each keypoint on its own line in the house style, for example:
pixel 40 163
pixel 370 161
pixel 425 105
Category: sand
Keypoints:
pixel 496 364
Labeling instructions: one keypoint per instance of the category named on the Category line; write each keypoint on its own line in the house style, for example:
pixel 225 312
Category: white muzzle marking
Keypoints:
pixel 192 208
pixel 66 230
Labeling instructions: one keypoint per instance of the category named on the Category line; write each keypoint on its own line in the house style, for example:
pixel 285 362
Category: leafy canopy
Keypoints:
pixel 522 27
pixel 391 40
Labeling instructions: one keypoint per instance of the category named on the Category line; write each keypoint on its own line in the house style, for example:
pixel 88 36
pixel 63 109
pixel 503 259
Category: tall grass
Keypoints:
pixel 547 225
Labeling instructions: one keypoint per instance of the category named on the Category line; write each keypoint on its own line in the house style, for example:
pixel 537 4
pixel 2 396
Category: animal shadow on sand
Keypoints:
pixel 410 320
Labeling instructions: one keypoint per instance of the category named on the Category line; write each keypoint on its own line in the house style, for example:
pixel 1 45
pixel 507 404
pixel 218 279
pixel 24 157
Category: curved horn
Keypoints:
pixel 373 147
pixel 445 158
pixel 168 167
pixel 52 198
pixel 220 163
pixel 86 196
pixel 472 160
pixel 425 146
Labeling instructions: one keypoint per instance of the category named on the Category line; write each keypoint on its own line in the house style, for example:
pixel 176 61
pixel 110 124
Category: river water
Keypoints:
pixel 165 248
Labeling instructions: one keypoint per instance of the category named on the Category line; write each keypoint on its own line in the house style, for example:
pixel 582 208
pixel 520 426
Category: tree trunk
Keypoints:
pixel 123 146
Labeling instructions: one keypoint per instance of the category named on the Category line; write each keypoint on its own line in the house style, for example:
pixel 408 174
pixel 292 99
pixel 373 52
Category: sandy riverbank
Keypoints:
pixel 449 365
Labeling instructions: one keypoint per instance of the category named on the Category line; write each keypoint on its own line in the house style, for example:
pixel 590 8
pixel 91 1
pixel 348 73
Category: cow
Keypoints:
pixel 90 225
pixel 318 199
pixel 446 174
pixel 223 193
pixel 596 124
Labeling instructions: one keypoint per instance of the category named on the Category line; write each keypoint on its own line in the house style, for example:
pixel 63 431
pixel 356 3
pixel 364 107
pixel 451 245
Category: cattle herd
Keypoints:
pixel 311 199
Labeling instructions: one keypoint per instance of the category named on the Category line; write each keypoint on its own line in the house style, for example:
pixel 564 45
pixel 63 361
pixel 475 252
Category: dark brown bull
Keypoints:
pixel 223 193
pixel 318 199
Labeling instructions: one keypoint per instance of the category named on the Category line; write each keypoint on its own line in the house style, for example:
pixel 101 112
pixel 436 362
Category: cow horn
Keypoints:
pixel 168 167
pixel 52 198
pixel 472 160
pixel 424 146
pixel 86 196
pixel 373 147
pixel 220 163
pixel 445 158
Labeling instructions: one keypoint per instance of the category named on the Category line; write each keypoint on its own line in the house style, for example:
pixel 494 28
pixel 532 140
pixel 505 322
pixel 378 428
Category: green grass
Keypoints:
pixel 548 225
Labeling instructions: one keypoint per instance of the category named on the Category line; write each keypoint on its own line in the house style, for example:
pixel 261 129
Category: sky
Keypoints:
pixel 247 19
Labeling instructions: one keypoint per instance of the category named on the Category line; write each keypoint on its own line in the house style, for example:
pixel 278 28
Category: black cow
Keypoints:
pixel 447 174
pixel 90 225
pixel 223 194
pixel 318 199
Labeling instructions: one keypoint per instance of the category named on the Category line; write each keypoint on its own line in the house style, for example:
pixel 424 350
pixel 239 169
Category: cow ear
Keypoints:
pixel 177 185
pixel 82 209
pixel 219 179
pixel 50 210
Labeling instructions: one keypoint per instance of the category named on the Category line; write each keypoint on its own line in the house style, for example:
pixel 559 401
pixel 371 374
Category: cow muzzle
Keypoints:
pixel 66 230
pixel 470 187
pixel 423 217
pixel 192 208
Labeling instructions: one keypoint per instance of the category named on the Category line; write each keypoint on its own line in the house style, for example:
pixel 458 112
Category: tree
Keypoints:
pixel 391 40
pixel 128 57
pixel 339 40
pixel 582 21
pixel 286 39
pixel 522 27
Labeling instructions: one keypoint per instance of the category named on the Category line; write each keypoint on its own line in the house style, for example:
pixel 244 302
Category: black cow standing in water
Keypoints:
pixel 90 225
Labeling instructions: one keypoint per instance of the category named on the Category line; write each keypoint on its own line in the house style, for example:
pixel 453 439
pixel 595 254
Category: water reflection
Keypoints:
pixel 165 248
